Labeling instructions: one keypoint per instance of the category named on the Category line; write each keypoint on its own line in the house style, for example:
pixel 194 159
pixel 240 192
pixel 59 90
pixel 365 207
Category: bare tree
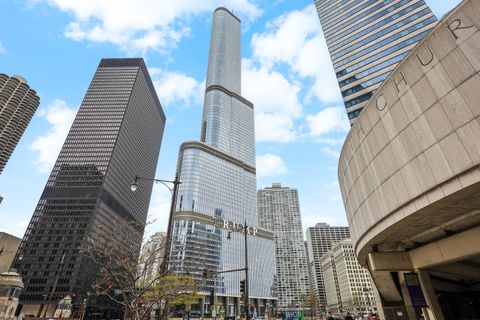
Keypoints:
pixel 114 253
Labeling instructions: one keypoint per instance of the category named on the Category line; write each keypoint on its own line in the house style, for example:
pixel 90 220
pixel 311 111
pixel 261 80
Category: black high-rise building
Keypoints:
pixel 116 135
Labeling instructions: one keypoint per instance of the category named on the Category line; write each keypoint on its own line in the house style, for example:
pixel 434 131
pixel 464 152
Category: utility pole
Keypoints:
pixel 247 299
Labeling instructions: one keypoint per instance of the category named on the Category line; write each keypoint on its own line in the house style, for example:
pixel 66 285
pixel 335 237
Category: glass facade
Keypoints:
pixel 116 135
pixel 18 103
pixel 217 194
pixel 367 39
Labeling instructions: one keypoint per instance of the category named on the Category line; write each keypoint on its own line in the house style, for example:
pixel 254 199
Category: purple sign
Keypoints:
pixel 415 290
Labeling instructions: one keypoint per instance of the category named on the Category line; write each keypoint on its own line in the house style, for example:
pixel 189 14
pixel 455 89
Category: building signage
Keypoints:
pixel 415 290
pixel 234 226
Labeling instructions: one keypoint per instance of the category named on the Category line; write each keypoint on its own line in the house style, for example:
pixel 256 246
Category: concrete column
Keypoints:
pixel 406 297
pixel 434 310
pixel 202 303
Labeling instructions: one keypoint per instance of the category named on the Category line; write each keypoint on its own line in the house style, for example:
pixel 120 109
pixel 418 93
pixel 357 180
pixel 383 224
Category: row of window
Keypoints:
pixel 324 13
pixel 357 100
pixel 371 70
pixel 383 32
pixel 383 53
pixel 384 22
pixel 386 41
pixel 365 84
pixel 358 17
pixel 349 29
pixel 344 10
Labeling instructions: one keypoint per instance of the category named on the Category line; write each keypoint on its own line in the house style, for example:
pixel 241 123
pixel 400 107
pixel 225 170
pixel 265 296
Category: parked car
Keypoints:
pixel 195 315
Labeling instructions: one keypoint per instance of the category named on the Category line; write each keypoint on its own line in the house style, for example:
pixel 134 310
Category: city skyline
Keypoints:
pixel 68 33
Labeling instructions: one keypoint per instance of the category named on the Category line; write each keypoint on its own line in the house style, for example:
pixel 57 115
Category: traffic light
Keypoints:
pixel 205 273
pixel 212 296
pixel 74 297
pixel 242 287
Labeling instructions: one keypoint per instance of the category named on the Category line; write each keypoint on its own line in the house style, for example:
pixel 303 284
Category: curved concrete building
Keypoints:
pixel 18 103
pixel 410 177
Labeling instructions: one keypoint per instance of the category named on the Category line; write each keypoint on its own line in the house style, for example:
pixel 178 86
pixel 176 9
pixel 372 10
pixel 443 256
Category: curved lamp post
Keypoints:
pixel 135 185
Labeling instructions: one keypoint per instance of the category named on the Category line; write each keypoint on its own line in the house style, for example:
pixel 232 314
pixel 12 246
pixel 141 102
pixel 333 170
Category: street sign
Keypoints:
pixel 415 290
pixel 294 315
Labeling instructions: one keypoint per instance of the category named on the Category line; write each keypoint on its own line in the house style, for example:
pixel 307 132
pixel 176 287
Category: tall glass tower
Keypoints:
pixel 116 135
pixel 367 39
pixel 18 103
pixel 217 196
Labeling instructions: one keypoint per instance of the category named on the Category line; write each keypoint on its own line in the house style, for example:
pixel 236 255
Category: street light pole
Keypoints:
pixel 247 297
pixel 176 182
pixel 247 300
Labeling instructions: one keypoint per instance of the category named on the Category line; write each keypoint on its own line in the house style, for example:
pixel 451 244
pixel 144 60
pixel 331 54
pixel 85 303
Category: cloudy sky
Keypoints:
pixel 300 120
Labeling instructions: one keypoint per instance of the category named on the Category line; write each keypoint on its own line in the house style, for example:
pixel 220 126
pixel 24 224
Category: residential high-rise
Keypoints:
pixel 8 248
pixel 116 135
pixel 279 211
pixel 18 103
pixel 217 194
pixel 367 39
pixel 348 286
pixel 151 258
pixel 320 239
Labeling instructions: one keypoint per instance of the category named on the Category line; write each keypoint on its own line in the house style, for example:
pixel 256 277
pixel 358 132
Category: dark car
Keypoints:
pixel 195 315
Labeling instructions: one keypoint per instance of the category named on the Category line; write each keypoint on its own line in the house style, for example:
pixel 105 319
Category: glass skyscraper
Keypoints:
pixel 279 211
pixel 367 39
pixel 18 103
pixel 116 135
pixel 217 194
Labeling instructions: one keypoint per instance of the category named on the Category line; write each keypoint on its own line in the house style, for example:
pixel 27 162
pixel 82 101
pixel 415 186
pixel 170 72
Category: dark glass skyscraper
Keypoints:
pixel 367 39
pixel 116 135
pixel 18 103
pixel 218 191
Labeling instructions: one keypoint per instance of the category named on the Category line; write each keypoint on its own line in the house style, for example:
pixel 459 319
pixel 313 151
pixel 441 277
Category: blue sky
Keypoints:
pixel 300 120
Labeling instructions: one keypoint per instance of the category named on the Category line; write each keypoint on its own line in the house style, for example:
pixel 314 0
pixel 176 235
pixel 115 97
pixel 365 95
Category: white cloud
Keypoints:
pixel 269 165
pixel 276 103
pixel 174 86
pixel 274 128
pixel 296 39
pixel 270 91
pixel 127 24
pixel 2 48
pixel 328 120
pixel 48 145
